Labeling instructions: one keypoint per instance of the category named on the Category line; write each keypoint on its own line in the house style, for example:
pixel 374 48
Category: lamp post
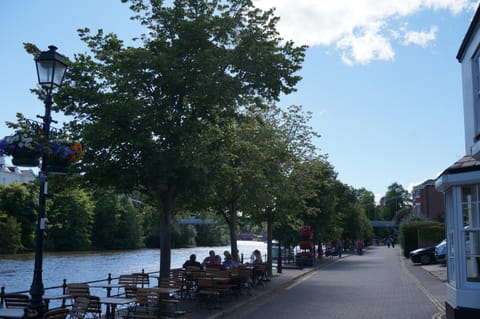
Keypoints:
pixel 51 68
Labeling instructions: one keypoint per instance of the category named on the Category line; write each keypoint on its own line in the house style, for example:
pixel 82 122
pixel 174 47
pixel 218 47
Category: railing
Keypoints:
pixel 63 288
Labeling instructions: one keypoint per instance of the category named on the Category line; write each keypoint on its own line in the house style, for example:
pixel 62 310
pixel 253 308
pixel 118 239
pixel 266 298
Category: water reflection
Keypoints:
pixel 16 271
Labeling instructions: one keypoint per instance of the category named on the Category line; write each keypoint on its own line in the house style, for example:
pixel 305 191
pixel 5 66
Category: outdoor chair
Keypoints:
pixel 260 274
pixel 16 301
pixel 94 308
pixel 79 307
pixel 147 305
pixel 206 292
pixel 77 289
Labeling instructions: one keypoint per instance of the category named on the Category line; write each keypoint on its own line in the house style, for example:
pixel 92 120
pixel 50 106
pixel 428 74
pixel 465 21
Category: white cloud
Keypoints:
pixel 361 30
pixel 420 38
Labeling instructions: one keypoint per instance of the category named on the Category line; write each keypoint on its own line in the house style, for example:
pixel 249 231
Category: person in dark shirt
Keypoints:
pixel 192 262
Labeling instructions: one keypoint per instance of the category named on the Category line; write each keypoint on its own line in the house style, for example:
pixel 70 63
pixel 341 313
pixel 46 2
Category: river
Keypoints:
pixel 16 271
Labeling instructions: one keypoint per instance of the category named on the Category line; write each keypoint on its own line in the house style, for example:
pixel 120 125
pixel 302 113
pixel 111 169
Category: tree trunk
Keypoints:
pixel 269 242
pixel 232 226
pixel 165 236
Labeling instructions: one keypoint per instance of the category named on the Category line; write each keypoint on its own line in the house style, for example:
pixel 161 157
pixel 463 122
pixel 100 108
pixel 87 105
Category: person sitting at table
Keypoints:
pixel 257 257
pixel 192 262
pixel 228 261
pixel 210 259
pixel 217 264
pixel 236 260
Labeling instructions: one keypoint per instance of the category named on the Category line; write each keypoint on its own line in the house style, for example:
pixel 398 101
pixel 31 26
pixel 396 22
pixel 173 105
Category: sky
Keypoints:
pixel 380 76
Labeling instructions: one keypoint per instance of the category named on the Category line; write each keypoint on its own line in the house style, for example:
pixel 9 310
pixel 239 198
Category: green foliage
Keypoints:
pixel 416 234
pixel 143 111
pixel 396 199
pixel 70 220
pixel 19 201
pixel 212 235
pixel 183 236
pixel 116 224
pixel 10 234
pixel 128 232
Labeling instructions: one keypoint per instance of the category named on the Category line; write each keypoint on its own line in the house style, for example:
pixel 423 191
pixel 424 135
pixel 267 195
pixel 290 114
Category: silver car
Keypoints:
pixel 441 252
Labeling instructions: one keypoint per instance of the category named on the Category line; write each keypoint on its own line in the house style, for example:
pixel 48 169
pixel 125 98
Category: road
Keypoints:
pixel 379 284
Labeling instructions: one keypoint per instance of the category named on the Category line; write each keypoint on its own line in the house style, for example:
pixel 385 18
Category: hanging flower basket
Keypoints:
pixel 61 155
pixel 24 147
pixel 26 158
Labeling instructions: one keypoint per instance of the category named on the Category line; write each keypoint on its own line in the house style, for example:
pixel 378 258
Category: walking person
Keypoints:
pixel 339 248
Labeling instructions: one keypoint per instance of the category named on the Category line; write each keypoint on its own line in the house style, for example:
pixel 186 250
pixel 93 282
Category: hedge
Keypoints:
pixel 419 234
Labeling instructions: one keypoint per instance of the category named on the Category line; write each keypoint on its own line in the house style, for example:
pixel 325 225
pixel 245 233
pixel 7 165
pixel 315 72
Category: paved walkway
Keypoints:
pixel 379 284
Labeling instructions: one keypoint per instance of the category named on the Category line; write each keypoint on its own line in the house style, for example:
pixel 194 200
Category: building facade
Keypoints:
pixel 460 184
pixel 11 174
pixel 428 202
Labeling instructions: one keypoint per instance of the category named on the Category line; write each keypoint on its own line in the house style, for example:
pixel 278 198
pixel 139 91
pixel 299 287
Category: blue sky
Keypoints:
pixel 380 76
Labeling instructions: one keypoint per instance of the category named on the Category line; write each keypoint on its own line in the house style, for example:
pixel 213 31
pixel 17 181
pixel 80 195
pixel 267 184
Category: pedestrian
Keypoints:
pixel 389 241
pixel 339 248
pixel 359 247
pixel 393 242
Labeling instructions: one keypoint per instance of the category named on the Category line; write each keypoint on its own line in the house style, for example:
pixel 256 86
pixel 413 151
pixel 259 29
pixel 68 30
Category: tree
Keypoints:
pixel 19 201
pixel 141 111
pixel 10 234
pixel 70 220
pixel 394 200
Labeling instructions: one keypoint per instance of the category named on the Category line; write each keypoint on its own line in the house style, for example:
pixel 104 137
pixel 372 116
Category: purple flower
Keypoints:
pixel 61 150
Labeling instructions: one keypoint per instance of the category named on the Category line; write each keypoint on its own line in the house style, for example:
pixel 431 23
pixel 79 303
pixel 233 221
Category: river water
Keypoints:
pixel 16 271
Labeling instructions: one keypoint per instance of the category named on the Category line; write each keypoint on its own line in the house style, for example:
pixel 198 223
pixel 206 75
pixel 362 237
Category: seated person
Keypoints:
pixel 228 261
pixel 209 260
pixel 192 262
pixel 236 260
pixel 257 257
pixel 217 264
pixel 258 273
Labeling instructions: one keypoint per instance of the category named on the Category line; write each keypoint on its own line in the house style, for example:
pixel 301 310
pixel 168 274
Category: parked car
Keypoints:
pixel 424 256
pixel 441 252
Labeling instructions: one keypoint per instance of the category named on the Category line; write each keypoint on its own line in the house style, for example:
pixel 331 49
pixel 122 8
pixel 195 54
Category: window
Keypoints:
pixel 471 231
pixel 476 95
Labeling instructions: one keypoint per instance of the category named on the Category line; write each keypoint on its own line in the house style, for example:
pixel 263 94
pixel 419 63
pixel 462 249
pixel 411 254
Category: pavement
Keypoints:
pixel 291 273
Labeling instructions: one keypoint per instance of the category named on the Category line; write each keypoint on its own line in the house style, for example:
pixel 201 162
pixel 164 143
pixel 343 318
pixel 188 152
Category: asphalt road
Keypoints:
pixel 379 284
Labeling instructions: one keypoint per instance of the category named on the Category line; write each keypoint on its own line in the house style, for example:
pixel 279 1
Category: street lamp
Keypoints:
pixel 51 68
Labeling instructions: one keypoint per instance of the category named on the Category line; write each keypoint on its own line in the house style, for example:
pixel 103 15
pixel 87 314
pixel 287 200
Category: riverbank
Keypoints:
pixel 17 270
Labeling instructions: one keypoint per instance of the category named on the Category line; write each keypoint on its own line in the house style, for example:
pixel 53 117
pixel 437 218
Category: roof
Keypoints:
pixel 466 164
pixel 428 182
pixel 468 36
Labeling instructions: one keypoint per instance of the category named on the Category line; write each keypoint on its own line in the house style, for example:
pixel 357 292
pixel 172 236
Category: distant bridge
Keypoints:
pixel 196 221
pixel 383 223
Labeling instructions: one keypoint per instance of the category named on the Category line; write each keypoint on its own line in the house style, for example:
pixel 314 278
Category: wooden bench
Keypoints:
pixel 16 300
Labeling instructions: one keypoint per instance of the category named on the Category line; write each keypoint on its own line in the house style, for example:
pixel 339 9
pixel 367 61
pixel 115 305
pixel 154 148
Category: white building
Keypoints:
pixel 461 186
pixel 11 174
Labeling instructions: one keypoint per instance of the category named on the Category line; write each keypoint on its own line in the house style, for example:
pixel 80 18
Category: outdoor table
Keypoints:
pixel 112 303
pixel 109 287
pixel 165 290
pixel 12 313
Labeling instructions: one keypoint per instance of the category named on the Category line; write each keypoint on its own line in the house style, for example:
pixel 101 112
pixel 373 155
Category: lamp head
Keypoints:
pixel 51 68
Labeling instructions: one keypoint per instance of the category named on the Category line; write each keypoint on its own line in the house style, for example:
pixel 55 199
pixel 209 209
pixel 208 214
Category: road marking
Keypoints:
pixel 440 306
pixel 299 281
